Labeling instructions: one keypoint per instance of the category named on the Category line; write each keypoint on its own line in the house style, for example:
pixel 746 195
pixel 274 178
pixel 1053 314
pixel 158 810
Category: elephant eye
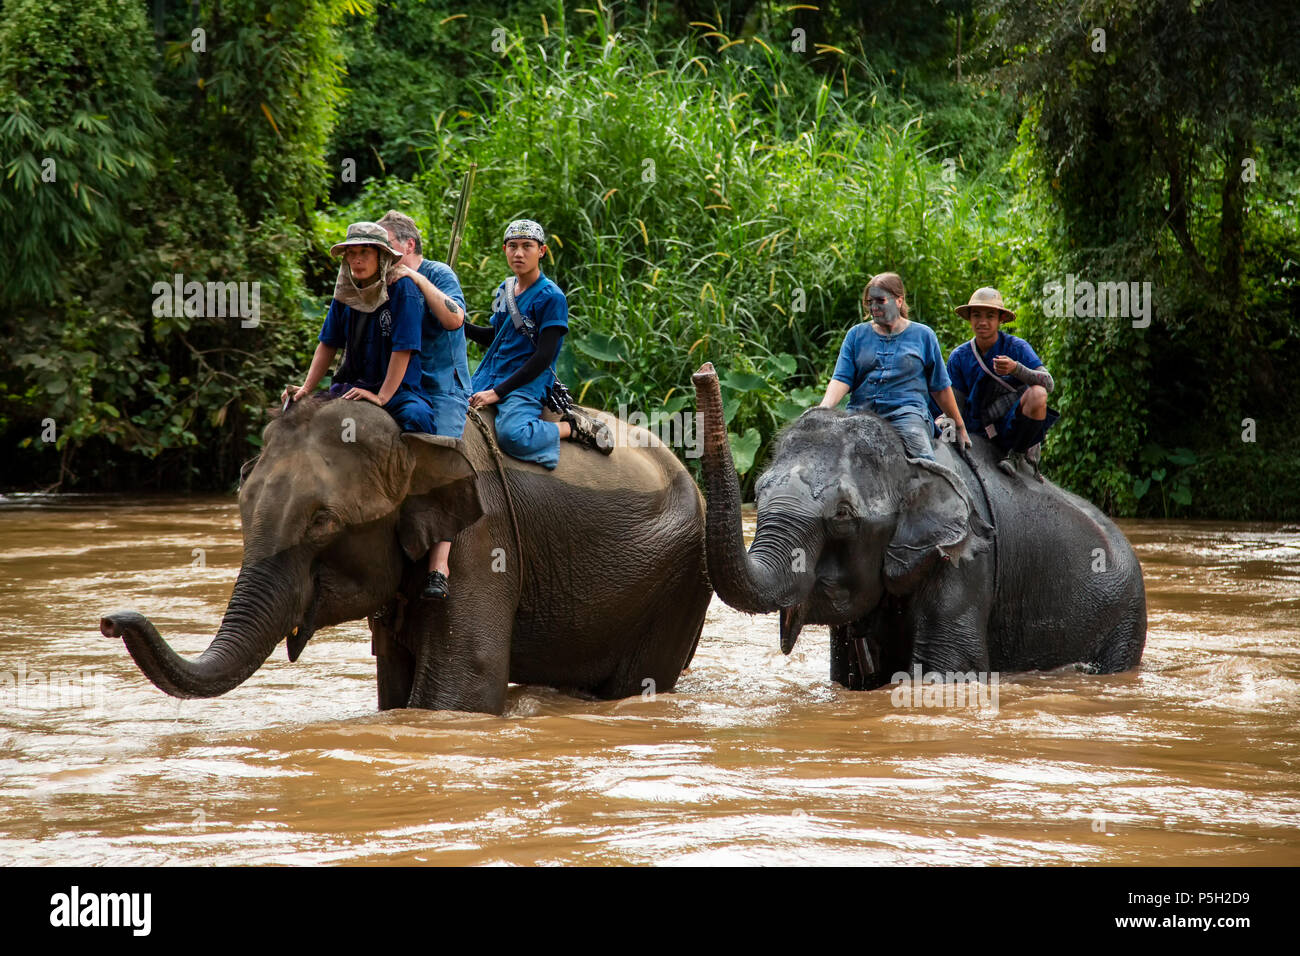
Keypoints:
pixel 324 522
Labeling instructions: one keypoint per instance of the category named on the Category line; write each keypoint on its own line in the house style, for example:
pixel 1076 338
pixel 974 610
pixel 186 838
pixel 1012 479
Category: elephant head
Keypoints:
pixel 844 517
pixel 328 509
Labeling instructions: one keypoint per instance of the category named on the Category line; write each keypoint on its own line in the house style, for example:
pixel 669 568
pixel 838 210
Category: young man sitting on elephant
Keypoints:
pixel 530 317
pixel 1013 414
pixel 376 319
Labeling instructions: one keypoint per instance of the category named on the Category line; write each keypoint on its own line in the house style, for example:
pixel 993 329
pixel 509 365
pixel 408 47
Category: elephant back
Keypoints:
pixel 1063 569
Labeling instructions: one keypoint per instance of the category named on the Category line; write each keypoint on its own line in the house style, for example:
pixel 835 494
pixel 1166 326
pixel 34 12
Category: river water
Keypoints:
pixel 756 758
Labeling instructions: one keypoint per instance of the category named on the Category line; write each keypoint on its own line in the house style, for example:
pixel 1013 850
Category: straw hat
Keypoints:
pixel 986 298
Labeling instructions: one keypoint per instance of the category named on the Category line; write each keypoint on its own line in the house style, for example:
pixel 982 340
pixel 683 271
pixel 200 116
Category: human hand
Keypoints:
pixel 360 394
pixel 479 399
pixel 401 270
pixel 292 393
pixel 1004 365
pixel 963 439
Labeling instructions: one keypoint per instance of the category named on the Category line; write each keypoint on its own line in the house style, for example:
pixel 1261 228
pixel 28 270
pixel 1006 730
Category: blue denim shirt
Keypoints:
pixel 887 373
pixel 444 366
pixel 393 327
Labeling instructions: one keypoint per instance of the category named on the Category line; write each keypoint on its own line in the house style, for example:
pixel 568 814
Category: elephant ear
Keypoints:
pixel 937 522
pixel 442 493
pixel 246 469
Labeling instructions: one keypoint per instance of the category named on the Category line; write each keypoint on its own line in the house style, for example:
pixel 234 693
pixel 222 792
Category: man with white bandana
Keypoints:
pixel 522 345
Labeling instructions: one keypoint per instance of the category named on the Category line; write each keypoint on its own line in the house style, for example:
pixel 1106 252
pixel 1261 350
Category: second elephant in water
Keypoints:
pixel 917 563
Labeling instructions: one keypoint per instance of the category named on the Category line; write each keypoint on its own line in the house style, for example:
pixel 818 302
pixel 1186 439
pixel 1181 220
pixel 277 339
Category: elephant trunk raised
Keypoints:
pixel 771 575
pixel 264 608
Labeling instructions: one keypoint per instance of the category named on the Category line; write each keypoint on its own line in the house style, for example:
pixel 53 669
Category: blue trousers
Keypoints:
pixel 522 434
pixel 410 407
pixel 1021 431
pixel 449 411
pixel 916 429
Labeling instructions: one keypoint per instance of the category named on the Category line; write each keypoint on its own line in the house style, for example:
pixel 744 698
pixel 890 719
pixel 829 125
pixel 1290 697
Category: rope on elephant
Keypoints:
pixel 965 456
pixel 510 501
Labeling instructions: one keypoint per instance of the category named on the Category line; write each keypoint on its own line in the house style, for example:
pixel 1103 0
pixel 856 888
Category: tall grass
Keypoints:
pixel 713 200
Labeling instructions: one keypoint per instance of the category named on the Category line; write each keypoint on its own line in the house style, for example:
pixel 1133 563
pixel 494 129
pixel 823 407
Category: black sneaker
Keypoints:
pixel 435 587
pixel 1008 463
pixel 588 431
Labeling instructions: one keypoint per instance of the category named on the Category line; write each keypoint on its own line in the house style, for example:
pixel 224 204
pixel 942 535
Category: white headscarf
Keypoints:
pixel 371 296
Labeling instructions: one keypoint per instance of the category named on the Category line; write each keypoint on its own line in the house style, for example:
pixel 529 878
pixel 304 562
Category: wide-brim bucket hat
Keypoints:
pixel 986 298
pixel 366 234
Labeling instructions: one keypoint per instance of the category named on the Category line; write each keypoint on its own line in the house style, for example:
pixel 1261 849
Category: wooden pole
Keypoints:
pixel 462 213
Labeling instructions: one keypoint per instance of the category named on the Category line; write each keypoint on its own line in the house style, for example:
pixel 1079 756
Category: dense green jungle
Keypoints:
pixel 719 181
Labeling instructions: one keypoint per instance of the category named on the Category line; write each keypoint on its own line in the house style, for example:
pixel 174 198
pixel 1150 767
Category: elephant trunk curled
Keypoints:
pixel 761 580
pixel 262 610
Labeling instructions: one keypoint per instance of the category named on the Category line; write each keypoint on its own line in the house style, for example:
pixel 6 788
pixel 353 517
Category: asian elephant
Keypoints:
pixel 590 578
pixel 911 562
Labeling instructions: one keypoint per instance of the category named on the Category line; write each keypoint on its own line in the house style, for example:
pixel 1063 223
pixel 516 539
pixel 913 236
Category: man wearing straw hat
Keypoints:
pixel 376 319
pixel 1004 381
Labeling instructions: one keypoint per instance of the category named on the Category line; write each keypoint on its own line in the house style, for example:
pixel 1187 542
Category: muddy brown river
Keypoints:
pixel 756 758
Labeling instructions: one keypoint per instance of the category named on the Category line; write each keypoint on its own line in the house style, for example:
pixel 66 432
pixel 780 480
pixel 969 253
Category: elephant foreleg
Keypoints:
pixel 394 663
pixel 948 619
pixel 461 662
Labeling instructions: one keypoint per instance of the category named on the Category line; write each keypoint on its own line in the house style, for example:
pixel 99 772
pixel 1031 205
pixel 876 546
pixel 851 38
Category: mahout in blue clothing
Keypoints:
pixel 444 368
pixel 518 366
pixel 1003 380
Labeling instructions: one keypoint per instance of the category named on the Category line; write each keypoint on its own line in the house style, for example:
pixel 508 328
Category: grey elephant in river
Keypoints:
pixel 943 566
pixel 589 578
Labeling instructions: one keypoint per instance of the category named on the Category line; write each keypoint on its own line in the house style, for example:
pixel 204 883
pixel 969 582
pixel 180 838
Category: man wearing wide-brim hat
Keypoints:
pixel 376 320
pixel 1003 380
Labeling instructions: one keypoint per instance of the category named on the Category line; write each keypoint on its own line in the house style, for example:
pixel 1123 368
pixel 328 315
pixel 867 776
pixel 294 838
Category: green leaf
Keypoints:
pixel 783 363
pixel 1140 487
pixel 604 348
pixel 730 405
pixel 676 403
pixel 741 381
pixel 743 449
pixel 1183 456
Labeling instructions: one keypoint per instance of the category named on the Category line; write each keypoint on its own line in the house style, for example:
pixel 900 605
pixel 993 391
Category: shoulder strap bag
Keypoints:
pixel 996 407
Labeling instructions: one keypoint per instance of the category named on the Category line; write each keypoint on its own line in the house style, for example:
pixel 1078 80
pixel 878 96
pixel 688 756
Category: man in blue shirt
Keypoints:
pixel 1003 381
pixel 518 367
pixel 376 320
pixel 893 366
pixel 444 367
